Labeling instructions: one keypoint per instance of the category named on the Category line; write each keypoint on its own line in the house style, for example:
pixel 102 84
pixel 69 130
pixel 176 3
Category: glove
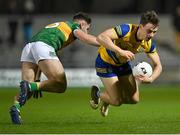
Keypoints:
pixel 38 93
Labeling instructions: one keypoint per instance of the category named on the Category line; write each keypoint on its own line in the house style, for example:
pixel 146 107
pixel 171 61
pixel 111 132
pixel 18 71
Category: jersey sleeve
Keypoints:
pixel 122 30
pixel 75 27
pixel 151 48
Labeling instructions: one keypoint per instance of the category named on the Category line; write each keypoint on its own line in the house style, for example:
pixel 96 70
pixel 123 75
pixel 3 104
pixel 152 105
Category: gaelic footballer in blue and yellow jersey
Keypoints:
pixel 127 40
pixel 119 46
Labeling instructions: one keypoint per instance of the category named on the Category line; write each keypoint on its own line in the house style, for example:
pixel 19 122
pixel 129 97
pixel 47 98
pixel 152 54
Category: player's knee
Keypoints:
pixel 64 87
pixel 116 102
pixel 134 100
pixel 61 85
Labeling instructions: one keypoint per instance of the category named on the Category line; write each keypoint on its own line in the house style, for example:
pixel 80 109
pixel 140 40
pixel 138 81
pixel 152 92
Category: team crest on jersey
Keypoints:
pixel 52 54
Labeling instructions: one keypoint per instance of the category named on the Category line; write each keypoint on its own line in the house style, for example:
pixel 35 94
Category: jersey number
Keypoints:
pixel 53 25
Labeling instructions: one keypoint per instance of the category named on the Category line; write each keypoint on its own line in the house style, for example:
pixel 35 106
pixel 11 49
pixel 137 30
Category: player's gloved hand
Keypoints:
pixel 37 94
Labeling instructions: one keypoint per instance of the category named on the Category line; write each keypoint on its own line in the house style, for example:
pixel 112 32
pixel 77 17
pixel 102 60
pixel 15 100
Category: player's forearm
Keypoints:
pixel 156 64
pixel 157 71
pixel 90 39
pixel 87 38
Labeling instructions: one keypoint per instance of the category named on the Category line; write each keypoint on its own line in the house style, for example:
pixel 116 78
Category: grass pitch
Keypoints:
pixel 158 112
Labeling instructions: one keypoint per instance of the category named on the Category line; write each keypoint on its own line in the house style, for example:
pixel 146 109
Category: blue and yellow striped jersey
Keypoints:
pixel 127 41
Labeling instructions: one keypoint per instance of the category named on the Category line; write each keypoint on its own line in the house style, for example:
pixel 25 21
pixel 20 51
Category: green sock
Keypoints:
pixel 17 105
pixel 34 86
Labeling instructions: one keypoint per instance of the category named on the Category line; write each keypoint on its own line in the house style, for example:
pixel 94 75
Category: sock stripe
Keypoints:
pixel 38 85
pixel 17 105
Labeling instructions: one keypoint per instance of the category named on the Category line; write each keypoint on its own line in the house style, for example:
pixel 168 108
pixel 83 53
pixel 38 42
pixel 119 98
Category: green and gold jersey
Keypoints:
pixel 57 35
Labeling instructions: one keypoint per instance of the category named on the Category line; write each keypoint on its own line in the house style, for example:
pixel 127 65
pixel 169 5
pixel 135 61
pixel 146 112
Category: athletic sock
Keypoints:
pixel 34 86
pixel 17 105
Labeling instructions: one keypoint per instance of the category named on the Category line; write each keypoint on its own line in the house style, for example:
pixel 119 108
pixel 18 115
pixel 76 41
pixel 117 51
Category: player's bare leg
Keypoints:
pixel 118 91
pixel 54 71
pixel 56 82
pixel 121 90
pixel 38 75
pixel 130 89
pixel 95 100
pixel 106 96
pixel 110 96
pixel 36 94
pixel 113 93
pixel 28 73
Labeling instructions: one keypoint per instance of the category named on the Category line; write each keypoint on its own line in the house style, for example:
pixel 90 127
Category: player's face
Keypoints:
pixel 84 26
pixel 148 31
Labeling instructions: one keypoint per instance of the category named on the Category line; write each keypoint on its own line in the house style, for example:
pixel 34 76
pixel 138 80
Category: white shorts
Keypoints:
pixel 36 51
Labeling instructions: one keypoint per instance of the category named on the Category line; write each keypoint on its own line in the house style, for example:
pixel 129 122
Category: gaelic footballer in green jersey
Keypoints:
pixel 40 55
pixel 57 35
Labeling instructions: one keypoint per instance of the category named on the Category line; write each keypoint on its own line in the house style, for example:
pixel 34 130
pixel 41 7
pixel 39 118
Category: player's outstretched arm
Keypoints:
pixel 88 38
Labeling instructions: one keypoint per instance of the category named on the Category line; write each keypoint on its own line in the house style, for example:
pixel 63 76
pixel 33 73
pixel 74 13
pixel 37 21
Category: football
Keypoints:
pixel 143 69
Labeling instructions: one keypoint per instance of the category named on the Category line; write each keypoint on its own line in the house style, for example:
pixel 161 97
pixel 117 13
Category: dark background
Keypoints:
pixel 93 6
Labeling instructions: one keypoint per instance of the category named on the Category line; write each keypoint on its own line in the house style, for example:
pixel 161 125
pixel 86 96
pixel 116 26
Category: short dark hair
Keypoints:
pixel 149 17
pixel 83 16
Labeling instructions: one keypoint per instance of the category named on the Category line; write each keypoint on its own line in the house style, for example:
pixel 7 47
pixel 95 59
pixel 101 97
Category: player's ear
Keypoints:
pixel 81 25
